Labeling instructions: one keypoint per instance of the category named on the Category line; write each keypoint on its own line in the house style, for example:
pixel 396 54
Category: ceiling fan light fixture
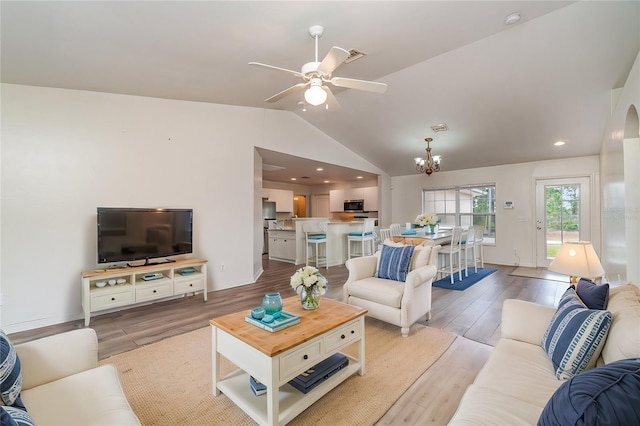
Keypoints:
pixel 314 95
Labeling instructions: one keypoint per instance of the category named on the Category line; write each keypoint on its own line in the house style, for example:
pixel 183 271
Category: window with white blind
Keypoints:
pixel 464 206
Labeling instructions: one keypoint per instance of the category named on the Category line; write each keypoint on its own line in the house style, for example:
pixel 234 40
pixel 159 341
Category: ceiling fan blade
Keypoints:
pixel 351 83
pixel 285 92
pixel 332 102
pixel 334 58
pixel 296 73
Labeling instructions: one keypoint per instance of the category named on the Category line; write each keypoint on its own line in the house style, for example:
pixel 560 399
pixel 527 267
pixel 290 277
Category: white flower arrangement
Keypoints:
pixel 427 219
pixel 308 277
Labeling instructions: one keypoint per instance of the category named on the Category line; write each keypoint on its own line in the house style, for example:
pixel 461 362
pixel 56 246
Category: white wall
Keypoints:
pixel 620 174
pixel 66 152
pixel 515 228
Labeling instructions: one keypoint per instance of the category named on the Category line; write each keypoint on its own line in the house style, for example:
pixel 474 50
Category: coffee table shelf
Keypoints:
pixel 292 401
pixel 276 358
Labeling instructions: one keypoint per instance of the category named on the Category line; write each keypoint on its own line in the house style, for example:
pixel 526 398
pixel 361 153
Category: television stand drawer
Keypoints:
pixel 187 285
pixel 111 299
pixel 152 291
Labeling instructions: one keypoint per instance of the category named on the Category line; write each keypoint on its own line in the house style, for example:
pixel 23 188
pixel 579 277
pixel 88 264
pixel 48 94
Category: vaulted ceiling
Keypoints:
pixel 506 92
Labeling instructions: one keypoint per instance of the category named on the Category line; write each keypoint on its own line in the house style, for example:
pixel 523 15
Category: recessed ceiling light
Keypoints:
pixel 326 181
pixel 559 143
pixel 512 19
pixel 358 177
pixel 319 169
pixel 293 178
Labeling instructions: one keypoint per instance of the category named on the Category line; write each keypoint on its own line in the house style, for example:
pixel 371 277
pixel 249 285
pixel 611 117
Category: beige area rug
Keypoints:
pixel 541 273
pixel 169 382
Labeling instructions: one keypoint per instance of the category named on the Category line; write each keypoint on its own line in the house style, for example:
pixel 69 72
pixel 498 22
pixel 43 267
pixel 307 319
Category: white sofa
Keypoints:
pixel 518 379
pixel 62 384
pixel 396 302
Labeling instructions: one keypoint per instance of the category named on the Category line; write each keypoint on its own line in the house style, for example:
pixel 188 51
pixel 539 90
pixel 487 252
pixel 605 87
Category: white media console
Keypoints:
pixel 104 289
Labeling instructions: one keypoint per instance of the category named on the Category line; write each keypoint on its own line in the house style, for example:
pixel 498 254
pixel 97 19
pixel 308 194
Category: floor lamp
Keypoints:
pixel 578 260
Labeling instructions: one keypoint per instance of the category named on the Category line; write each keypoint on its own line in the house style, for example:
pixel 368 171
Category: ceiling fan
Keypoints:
pixel 316 74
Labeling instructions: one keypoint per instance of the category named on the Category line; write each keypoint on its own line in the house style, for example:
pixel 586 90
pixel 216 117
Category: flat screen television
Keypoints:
pixel 130 234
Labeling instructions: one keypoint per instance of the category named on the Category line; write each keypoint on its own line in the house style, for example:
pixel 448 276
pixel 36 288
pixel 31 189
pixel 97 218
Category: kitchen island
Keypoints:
pixel 337 232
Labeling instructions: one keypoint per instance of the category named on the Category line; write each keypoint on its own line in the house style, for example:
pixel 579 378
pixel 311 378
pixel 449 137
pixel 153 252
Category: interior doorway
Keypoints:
pixel 300 206
pixel 563 215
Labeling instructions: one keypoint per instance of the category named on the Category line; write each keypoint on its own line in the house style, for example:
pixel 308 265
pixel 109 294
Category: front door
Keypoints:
pixel 562 215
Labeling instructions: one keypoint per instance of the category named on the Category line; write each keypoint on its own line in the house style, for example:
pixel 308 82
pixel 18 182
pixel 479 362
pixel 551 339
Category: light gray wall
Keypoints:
pixel 66 152
pixel 515 228
pixel 620 174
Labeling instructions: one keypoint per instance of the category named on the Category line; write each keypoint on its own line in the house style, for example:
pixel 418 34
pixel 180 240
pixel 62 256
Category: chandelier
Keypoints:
pixel 429 163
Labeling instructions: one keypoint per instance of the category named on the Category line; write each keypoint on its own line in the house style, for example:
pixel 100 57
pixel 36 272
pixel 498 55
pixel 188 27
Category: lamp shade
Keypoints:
pixel 577 259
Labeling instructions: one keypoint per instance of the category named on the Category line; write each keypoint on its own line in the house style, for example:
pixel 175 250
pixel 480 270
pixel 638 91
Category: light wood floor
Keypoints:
pixel 473 314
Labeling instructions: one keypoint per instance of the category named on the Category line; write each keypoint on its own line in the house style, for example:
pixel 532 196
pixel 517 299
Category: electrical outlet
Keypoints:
pixel 222 267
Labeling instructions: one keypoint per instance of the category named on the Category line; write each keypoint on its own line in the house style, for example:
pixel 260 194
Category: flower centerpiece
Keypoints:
pixel 310 285
pixel 429 219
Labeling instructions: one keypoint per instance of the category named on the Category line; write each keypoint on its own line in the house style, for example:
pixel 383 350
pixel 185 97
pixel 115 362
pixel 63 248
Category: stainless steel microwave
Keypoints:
pixel 354 205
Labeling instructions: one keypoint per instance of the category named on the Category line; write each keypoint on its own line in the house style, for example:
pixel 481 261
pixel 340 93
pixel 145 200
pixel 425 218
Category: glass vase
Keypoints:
pixel 310 297
pixel 272 304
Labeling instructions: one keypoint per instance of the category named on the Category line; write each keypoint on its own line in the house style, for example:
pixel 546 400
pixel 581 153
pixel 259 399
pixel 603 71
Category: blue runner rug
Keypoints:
pixel 466 282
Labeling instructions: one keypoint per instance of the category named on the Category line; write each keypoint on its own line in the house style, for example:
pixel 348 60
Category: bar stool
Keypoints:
pixel 316 237
pixel 365 238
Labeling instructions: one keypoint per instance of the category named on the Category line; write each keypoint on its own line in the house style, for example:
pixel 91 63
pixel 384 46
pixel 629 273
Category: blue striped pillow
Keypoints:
pixel 10 373
pixel 575 336
pixel 394 262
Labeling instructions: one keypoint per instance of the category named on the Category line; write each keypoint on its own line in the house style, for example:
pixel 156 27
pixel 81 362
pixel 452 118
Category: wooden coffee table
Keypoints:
pixel 275 358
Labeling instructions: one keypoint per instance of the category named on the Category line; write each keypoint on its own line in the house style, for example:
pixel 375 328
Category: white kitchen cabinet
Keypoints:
pixel 336 200
pixel 371 198
pixel 282 197
pixel 282 245
pixel 354 194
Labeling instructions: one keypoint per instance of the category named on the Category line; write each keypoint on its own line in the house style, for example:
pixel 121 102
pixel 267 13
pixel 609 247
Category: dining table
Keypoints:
pixel 442 237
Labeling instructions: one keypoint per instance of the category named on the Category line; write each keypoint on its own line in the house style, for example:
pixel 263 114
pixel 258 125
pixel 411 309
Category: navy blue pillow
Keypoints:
pixel 593 295
pixel 394 262
pixel 606 395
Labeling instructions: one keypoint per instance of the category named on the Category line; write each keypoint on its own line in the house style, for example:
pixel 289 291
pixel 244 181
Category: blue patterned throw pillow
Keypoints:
pixel 10 373
pixel 13 416
pixel 394 262
pixel 575 336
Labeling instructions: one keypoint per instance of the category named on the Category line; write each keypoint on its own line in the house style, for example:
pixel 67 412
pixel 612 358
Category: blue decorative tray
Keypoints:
pixel 285 320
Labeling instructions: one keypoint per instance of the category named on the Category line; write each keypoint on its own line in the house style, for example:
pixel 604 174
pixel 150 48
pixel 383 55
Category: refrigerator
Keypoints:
pixel 268 213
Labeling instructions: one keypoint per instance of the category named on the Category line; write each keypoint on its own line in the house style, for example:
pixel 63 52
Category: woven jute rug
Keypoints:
pixel 169 382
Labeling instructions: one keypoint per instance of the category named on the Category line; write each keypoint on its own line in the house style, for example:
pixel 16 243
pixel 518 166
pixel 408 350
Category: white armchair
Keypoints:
pixel 401 303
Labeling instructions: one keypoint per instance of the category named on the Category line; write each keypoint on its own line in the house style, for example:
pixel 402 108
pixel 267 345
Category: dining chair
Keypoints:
pixel 396 229
pixel 316 237
pixel 479 236
pixel 385 233
pixel 365 239
pixel 469 250
pixel 452 255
